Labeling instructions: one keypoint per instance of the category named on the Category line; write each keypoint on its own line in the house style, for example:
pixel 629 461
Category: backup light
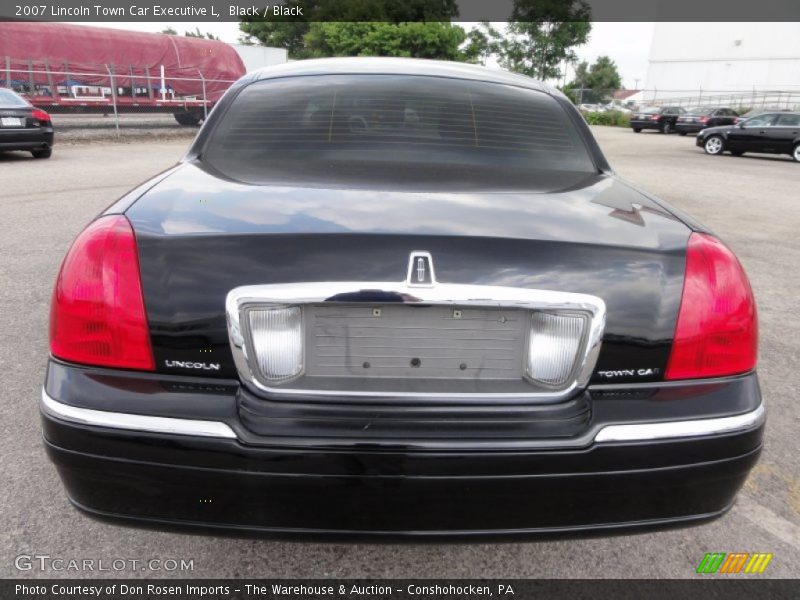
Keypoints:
pixel 277 337
pixel 553 347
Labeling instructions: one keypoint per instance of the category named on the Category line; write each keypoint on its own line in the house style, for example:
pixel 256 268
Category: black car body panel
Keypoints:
pixel 22 131
pixel 337 477
pixel 28 138
pixel 512 239
pixel 779 133
pixel 203 447
pixel 30 135
pixel 697 120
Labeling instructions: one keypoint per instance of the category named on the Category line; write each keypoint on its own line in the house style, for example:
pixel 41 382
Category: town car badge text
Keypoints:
pixel 188 364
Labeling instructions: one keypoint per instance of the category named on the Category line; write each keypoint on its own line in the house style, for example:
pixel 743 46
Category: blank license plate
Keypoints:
pixel 11 122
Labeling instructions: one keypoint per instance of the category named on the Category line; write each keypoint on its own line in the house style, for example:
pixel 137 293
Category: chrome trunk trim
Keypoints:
pixel 239 299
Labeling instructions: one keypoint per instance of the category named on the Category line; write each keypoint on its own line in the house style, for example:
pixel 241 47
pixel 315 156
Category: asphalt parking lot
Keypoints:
pixel 752 202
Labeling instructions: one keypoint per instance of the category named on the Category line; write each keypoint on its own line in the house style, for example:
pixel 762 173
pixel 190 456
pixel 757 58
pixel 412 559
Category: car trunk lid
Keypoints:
pixel 200 237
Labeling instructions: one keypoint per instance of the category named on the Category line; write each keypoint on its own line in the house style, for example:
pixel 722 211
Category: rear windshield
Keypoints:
pixel 10 100
pixel 372 128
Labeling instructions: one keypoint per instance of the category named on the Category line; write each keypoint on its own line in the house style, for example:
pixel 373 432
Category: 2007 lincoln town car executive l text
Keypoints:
pixel 384 298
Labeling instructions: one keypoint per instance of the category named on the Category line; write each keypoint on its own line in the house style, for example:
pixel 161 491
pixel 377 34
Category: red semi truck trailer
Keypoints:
pixel 64 68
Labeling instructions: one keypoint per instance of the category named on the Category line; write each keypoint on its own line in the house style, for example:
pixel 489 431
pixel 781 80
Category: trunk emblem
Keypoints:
pixel 420 270
pixel 184 364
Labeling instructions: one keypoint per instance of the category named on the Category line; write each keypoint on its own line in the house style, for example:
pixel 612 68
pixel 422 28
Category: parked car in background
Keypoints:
pixel 770 133
pixel 699 117
pixel 400 298
pixel 661 118
pixel 23 127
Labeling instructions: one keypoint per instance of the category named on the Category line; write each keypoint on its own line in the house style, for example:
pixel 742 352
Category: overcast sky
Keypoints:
pixel 628 44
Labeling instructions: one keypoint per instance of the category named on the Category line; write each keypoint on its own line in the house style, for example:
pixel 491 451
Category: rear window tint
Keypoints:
pixel 387 126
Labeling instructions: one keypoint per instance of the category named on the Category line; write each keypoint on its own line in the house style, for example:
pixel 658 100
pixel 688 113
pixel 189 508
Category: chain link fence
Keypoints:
pixel 786 99
pixel 88 101
pixel 603 100
pixel 109 101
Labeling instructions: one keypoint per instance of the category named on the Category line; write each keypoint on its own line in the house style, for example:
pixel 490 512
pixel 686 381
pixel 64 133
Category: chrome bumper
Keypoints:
pixel 623 432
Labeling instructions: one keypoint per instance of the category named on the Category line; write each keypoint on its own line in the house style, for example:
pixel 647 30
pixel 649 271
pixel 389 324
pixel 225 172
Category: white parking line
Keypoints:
pixel 767 520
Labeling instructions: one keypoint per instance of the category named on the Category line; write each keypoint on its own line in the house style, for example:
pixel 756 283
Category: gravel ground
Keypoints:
pixel 752 202
pixel 71 129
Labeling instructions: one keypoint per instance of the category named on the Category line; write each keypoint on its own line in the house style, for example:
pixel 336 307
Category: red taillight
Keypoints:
pixel 97 314
pixel 40 115
pixel 655 117
pixel 717 330
pixel 704 119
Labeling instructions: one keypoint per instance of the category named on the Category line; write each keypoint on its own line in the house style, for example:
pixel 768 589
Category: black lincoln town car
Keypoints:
pixel 396 298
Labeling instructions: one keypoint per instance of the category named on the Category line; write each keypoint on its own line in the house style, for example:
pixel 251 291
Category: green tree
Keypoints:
pixel 199 34
pixel 390 11
pixel 411 39
pixel 598 81
pixel 325 27
pixel 543 34
pixel 483 42
pixel 603 75
pixel 580 88
pixel 169 31
pixel 279 34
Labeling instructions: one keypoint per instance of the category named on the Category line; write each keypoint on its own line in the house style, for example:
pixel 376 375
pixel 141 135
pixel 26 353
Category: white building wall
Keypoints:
pixel 255 57
pixel 724 57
